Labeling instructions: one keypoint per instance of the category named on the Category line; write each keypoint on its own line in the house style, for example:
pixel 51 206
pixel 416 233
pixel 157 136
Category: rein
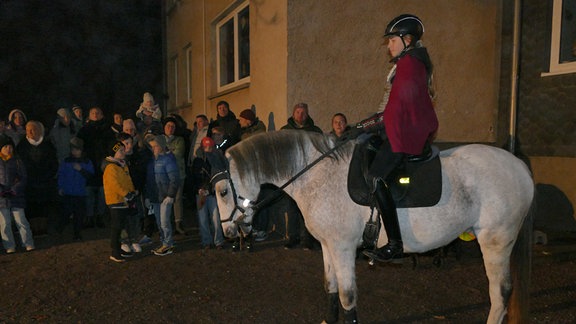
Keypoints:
pixel 251 210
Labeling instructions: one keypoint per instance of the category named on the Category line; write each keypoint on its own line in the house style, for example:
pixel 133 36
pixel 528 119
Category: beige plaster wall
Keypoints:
pixel 556 171
pixel 337 61
pixel 192 23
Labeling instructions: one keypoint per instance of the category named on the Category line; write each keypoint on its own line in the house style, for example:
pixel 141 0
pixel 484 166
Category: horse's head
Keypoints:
pixel 236 212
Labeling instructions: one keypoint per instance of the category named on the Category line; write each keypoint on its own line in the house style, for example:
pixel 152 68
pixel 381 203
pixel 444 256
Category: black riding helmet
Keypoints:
pixel 404 25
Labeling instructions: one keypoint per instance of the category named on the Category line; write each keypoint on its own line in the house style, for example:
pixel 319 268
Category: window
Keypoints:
pixel 188 51
pixel 174 63
pixel 563 40
pixel 233 48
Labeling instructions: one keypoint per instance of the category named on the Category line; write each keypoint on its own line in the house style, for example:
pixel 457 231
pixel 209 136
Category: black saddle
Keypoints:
pixel 417 182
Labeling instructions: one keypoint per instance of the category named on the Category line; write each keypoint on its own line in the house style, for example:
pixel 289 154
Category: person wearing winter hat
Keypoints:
pixel 211 234
pixel 149 108
pixel 62 132
pixel 162 185
pixel 77 117
pixel 16 128
pixel 73 173
pixel 250 124
pixel 13 178
pixel 120 196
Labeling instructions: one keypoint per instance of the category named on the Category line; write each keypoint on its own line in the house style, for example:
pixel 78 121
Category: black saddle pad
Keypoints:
pixel 415 184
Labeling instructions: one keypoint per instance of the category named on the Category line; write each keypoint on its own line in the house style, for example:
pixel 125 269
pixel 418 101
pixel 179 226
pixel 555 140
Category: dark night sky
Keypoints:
pixel 56 53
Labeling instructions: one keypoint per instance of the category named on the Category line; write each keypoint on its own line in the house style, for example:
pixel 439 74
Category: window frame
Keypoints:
pixel 174 63
pixel 231 15
pixel 188 52
pixel 555 66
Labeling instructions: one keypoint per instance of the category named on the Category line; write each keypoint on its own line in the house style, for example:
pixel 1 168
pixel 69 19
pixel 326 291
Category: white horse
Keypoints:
pixel 484 188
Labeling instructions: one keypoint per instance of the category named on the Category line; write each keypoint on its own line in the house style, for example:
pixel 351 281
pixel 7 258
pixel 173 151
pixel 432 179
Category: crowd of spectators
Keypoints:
pixel 130 174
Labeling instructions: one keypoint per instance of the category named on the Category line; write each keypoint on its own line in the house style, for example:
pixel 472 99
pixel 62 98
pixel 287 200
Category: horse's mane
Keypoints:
pixel 281 154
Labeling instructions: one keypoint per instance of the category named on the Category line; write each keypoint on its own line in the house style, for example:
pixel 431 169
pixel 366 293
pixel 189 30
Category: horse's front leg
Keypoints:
pixel 331 287
pixel 340 271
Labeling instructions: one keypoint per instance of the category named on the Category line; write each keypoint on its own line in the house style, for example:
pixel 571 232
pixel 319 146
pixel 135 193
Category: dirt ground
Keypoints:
pixel 74 282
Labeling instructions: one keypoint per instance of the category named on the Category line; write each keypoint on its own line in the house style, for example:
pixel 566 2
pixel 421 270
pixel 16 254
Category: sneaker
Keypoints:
pixel 163 250
pixel 126 254
pixel 10 251
pixel 118 258
pixel 260 236
pixel 145 240
pixel 136 247
pixel 125 247
pixel 30 248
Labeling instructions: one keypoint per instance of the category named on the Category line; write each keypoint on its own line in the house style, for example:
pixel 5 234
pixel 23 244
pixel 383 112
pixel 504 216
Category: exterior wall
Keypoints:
pixel 192 23
pixel 337 61
pixel 546 112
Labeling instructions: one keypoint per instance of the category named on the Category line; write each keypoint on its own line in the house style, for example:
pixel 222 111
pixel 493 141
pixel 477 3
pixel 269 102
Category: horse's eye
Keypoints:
pixel 223 193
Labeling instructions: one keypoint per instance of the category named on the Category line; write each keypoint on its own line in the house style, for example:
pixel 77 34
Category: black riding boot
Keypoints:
pixel 387 208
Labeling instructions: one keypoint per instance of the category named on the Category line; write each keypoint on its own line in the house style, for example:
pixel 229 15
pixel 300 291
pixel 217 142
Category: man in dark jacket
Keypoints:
pixel 227 120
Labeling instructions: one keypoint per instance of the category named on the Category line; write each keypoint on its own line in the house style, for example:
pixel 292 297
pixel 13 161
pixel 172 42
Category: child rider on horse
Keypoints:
pixel 407 124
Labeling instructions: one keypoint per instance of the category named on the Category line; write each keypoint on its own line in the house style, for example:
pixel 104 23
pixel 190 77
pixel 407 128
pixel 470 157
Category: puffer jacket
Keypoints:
pixel 13 178
pixel 166 175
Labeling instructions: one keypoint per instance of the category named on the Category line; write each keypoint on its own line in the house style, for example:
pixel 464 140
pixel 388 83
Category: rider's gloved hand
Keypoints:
pixel 351 134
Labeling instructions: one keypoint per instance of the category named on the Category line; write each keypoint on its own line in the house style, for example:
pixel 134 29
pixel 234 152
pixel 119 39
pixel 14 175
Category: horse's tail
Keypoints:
pixel 521 266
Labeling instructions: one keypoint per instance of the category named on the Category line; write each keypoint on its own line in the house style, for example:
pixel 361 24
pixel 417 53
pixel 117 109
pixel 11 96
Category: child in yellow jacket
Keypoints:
pixel 120 197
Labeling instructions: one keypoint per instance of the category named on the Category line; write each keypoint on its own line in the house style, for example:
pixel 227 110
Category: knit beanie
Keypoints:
pixel 62 113
pixel 5 140
pixel 160 140
pixel 248 114
pixel 114 147
pixel 77 143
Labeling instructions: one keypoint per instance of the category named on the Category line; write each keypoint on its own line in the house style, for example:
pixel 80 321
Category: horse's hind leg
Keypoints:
pixel 496 253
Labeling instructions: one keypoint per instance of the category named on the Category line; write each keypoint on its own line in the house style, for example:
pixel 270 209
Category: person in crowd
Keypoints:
pixel 13 180
pixel 339 125
pixel 177 146
pixel 138 162
pixel 227 120
pixel 163 179
pixel 61 134
pixel 77 117
pixel 41 163
pixel 149 108
pixel 73 174
pixel 211 234
pixel 407 124
pixel 137 159
pixel 120 197
pixel 250 124
pixel 16 128
pixel 301 119
pixel 198 133
pixel 117 123
pixel 96 134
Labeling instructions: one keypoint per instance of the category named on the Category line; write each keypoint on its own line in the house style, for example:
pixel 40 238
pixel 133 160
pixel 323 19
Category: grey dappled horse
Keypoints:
pixel 484 188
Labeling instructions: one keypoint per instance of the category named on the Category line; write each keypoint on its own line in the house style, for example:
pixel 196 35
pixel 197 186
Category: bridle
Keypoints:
pixel 249 208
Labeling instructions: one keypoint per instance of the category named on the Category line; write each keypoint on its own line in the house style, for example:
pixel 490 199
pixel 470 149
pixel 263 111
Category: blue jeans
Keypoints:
pixel 6 215
pixel 163 214
pixel 208 219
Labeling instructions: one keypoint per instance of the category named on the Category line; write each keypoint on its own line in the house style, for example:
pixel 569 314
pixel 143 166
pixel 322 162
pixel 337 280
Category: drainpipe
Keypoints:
pixel 164 105
pixel 514 85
